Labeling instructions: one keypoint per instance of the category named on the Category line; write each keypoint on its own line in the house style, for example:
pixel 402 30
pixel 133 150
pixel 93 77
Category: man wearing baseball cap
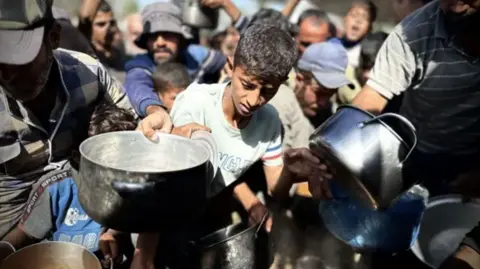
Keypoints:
pixel 320 72
pixel 166 39
pixel 47 97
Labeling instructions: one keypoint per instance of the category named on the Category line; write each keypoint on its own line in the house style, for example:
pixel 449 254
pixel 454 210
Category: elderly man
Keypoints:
pixel 47 97
pixel 166 40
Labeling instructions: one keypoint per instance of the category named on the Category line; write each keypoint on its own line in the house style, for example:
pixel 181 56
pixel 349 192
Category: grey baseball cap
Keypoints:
pixel 22 29
pixel 161 17
pixel 328 62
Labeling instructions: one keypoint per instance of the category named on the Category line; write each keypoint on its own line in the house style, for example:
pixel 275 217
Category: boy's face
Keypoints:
pixel 103 28
pixel 357 23
pixel 168 97
pixel 249 93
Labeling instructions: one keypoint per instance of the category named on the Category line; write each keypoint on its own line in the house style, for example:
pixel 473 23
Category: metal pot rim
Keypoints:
pixel 53 243
pixel 392 131
pixel 434 202
pixel 204 159
pixel 255 227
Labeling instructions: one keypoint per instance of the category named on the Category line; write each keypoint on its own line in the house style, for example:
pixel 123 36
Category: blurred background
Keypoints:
pixel 248 7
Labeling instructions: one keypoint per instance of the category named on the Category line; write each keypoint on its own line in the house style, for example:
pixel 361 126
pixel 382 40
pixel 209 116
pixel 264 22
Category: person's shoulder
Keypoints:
pixel 202 92
pixel 268 117
pixel 197 52
pixel 69 58
pixel 143 61
pixel 420 24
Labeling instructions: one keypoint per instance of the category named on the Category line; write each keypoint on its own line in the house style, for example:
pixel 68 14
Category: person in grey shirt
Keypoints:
pixel 433 58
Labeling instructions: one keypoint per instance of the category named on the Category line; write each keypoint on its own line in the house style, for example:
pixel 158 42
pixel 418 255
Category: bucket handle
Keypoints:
pixel 401 119
pixel 264 219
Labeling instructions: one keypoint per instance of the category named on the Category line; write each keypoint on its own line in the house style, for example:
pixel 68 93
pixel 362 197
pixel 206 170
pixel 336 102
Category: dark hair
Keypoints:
pixel 371 8
pixel 266 52
pixel 170 75
pixel 110 118
pixel 371 44
pixel 320 17
pixel 275 18
pixel 104 6
pixel 217 40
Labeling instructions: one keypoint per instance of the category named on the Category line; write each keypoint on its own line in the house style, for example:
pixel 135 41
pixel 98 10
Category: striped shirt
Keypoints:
pixel 28 150
pixel 440 82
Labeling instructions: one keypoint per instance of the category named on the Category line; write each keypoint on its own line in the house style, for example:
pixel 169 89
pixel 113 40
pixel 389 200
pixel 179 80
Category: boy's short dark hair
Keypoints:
pixel 104 7
pixel 110 118
pixel 266 52
pixel 170 75
pixel 275 18
pixel 371 44
pixel 370 6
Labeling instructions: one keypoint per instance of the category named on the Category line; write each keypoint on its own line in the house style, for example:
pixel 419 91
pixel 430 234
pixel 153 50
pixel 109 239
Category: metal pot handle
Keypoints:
pixel 206 139
pixel 264 220
pixel 401 119
pixel 134 189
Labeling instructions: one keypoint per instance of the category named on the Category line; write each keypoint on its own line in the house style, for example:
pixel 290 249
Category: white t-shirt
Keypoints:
pixel 238 148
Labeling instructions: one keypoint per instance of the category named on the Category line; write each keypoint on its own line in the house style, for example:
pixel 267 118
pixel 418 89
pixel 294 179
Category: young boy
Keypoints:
pixel 246 129
pixel 358 23
pixel 169 80
pixel 54 212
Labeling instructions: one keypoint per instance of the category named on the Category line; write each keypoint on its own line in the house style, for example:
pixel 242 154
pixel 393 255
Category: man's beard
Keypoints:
pixel 463 23
pixel 163 60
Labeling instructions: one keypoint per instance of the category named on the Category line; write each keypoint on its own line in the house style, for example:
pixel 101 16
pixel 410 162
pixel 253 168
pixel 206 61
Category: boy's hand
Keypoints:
pixel 109 247
pixel 157 120
pixel 256 213
pixel 303 166
pixel 188 129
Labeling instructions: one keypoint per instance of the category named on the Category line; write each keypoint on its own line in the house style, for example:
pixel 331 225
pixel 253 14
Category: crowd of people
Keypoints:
pixel 261 87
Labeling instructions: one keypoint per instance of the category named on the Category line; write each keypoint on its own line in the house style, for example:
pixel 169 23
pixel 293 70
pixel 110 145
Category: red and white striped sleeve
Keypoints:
pixel 273 154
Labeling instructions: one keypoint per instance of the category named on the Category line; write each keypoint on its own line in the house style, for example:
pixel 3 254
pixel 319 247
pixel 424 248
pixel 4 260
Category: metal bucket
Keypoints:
pixel 446 221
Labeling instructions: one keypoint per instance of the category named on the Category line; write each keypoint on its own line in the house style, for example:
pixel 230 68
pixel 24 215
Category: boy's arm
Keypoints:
pixel 255 208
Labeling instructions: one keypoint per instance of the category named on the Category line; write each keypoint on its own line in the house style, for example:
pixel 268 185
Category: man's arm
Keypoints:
pixel 290 7
pixel 86 14
pixel 394 72
pixel 139 88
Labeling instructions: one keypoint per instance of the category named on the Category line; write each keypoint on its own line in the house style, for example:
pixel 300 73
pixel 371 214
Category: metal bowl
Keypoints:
pixel 445 222
pixel 52 255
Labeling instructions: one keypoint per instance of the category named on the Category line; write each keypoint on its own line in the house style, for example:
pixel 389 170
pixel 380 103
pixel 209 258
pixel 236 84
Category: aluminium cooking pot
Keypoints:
pixel 236 247
pixel 446 221
pixel 52 255
pixel 129 183
pixel 366 154
pixel 198 16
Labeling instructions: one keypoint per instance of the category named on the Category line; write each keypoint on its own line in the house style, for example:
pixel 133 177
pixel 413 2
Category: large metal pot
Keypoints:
pixel 128 183
pixel 236 247
pixel 52 255
pixel 198 16
pixel 445 223
pixel 366 154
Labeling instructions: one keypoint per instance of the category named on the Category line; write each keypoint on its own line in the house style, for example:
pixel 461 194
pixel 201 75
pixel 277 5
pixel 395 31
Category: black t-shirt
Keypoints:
pixel 72 39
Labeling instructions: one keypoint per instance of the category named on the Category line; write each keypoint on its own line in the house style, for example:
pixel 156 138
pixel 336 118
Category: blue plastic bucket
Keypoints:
pixel 389 231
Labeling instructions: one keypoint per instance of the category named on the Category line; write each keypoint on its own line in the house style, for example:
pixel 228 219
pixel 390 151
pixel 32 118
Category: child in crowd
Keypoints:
pixel 370 47
pixel 358 23
pixel 169 80
pixel 246 129
pixel 53 212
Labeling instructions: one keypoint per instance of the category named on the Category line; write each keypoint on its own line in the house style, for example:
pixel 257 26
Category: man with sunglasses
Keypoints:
pixel 47 97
